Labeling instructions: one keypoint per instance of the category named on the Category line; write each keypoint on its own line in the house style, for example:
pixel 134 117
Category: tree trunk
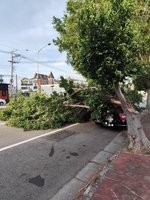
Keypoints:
pixel 137 138
pixel 148 100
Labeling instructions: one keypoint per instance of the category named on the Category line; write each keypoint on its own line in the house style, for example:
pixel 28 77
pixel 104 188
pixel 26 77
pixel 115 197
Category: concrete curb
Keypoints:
pixel 84 178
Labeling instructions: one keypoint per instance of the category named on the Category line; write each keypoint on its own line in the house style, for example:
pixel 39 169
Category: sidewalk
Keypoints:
pixel 128 178
pixel 111 175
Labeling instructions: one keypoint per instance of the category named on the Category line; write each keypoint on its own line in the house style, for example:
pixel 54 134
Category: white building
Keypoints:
pixel 50 88
pixel 31 85
pixel 28 85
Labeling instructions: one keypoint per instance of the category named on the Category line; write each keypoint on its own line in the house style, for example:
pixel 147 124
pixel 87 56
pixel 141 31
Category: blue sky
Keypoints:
pixel 27 24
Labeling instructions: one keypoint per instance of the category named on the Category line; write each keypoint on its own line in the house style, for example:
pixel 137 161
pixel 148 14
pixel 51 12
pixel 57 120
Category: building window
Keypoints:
pixel 24 88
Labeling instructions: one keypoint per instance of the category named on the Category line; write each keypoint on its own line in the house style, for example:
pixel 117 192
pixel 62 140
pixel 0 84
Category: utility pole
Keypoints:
pixel 12 61
pixel 11 75
pixel 16 84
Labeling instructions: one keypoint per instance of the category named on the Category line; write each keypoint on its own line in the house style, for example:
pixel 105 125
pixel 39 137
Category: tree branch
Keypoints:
pixel 77 106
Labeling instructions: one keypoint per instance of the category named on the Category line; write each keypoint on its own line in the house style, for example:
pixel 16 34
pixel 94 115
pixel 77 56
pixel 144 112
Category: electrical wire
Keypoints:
pixel 31 60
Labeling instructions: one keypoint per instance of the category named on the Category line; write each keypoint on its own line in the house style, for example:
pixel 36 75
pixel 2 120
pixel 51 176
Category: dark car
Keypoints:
pixel 112 115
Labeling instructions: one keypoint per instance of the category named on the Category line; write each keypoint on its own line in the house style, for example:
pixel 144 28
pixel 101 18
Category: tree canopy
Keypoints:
pixel 102 38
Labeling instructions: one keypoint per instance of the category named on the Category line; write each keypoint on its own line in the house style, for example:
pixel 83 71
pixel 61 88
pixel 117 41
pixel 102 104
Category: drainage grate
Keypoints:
pixel 60 135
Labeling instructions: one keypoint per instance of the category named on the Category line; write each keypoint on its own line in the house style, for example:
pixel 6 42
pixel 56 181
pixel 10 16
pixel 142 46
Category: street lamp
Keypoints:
pixel 38 52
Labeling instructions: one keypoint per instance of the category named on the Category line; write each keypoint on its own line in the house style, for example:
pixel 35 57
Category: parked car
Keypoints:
pixel 2 102
pixel 112 116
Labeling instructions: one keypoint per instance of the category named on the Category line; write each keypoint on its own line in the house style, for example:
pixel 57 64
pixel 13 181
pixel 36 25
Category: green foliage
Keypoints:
pixel 94 101
pixel 38 112
pixel 142 79
pixel 68 85
pixel 88 95
pixel 102 39
pixel 134 96
pixel 107 41
pixel 73 91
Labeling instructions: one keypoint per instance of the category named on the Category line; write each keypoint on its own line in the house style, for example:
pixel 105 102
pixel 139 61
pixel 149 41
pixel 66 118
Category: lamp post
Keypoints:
pixel 38 52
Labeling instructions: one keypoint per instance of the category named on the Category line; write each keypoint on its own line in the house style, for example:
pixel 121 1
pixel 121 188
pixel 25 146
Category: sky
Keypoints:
pixel 25 27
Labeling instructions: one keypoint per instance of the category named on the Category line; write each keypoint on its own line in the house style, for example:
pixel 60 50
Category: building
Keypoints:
pixel 50 88
pixel 28 85
pixel 4 94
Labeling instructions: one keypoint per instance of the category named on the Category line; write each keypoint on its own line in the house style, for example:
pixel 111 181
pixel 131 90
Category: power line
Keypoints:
pixel 45 61
pixel 9 52
pixel 2 51
pixel 31 60
pixel 7 75
pixel 4 75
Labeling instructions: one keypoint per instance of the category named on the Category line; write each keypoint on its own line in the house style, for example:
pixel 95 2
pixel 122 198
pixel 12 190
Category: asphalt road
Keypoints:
pixel 39 167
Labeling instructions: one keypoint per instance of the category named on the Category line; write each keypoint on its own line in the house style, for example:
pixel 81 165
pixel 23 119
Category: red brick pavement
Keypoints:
pixel 129 177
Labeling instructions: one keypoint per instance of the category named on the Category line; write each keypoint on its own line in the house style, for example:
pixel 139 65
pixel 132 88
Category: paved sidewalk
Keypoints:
pixel 128 178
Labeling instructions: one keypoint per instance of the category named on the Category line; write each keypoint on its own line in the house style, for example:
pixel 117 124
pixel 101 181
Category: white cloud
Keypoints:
pixel 27 24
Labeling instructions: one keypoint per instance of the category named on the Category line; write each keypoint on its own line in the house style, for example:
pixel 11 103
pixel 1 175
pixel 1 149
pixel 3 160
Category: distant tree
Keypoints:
pixel 103 41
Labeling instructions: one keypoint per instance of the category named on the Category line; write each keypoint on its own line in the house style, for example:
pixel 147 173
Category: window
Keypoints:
pixel 24 88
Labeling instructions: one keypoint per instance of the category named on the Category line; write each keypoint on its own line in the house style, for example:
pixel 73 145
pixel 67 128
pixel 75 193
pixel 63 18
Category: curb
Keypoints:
pixel 75 188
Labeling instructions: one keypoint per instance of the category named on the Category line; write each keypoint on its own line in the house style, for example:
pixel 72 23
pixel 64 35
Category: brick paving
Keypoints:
pixel 128 178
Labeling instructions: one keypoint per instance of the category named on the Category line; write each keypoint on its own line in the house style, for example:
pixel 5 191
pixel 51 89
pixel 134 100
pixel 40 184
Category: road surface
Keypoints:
pixel 35 165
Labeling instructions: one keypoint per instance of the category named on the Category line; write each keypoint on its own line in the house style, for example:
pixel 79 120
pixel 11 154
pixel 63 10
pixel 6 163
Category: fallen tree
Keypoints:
pixel 39 111
pixel 105 43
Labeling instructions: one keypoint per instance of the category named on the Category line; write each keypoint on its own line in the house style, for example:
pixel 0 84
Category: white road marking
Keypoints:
pixel 34 138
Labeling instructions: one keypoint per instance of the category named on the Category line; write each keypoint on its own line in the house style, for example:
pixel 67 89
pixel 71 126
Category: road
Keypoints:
pixel 35 165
